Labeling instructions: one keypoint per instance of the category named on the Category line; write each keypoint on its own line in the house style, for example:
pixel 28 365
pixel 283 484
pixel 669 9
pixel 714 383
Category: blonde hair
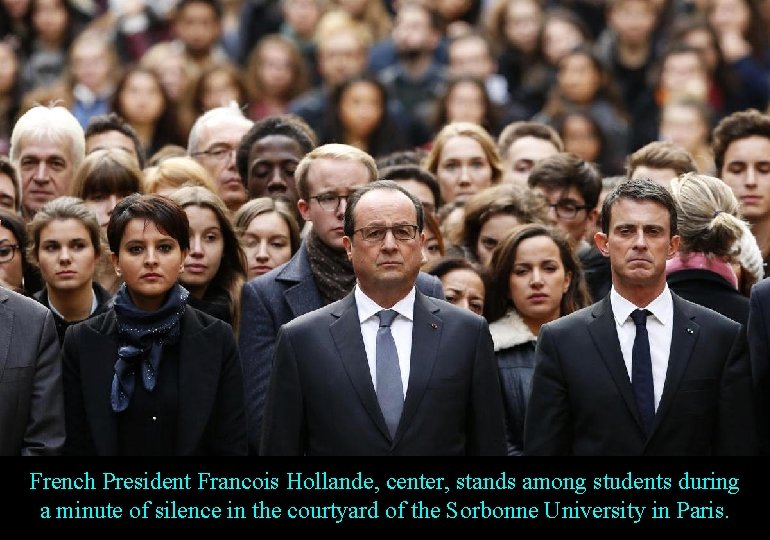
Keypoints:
pixel 177 172
pixel 472 131
pixel 708 215
pixel 333 151
pixel 232 270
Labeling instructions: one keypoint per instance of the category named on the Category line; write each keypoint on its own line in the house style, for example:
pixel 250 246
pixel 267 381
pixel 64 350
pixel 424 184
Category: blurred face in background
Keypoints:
pixel 7 193
pixel 578 78
pixel 465 103
pixel 198 28
pixel 580 137
pixel 684 126
pixel 463 169
pixel 523 154
pixel 49 20
pixel 340 56
pixel 141 99
pixel 274 71
pixel 361 109
pixel 523 20
pixel 559 37
pixel 219 89
pixel 91 64
pixel 492 232
pixel 464 288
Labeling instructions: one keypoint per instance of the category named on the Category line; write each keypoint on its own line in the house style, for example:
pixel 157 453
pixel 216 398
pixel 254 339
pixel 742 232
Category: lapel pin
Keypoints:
pixel 433 325
pixel 689 331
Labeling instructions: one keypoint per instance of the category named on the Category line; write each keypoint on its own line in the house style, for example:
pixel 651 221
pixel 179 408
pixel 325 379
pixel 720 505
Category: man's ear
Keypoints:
pixel 602 243
pixel 347 243
pixel 304 209
pixel 673 245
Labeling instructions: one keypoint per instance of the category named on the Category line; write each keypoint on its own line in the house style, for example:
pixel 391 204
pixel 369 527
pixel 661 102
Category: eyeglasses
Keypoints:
pixel 375 234
pixel 7 252
pixel 567 209
pixel 218 152
pixel 330 201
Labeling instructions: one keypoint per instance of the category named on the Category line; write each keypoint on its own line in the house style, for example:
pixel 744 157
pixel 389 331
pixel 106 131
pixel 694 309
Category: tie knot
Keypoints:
pixel 640 316
pixel 386 317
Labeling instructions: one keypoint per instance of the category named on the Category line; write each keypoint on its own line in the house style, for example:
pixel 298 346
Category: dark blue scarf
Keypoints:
pixel 142 335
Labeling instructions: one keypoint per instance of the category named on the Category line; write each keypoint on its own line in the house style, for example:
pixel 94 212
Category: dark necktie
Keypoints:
pixel 390 394
pixel 641 370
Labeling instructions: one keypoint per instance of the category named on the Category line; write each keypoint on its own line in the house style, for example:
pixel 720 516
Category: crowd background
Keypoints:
pixel 510 120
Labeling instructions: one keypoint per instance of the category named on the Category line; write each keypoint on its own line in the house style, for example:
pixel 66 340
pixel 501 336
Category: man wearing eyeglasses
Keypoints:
pixel 317 275
pixel 571 187
pixel 213 142
pixel 386 370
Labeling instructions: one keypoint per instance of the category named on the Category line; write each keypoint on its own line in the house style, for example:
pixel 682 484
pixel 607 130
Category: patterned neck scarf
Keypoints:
pixel 331 268
pixel 142 335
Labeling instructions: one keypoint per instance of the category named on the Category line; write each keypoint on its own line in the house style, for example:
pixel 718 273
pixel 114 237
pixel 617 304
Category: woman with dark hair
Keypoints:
pixel 15 270
pixel 534 279
pixel 66 247
pixel 141 100
pixel 215 267
pixel 357 114
pixel 175 387
pixel 465 99
pixel 463 282
pixel 583 136
pixel 217 85
pixel 10 93
pixel 491 214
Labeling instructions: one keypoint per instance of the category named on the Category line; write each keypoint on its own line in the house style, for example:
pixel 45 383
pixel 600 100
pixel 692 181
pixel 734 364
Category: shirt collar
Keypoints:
pixel 368 308
pixel 662 307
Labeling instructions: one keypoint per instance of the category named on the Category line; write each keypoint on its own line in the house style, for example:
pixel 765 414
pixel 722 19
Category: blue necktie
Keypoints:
pixel 641 370
pixel 390 393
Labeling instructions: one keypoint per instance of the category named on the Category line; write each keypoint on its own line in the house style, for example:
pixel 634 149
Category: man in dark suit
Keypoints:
pixel 759 352
pixel 318 274
pixel 386 370
pixel 31 395
pixel 643 371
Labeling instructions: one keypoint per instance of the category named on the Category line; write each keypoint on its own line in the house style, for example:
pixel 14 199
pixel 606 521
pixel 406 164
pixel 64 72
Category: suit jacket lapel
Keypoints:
pixel 6 329
pixel 346 333
pixel 303 296
pixel 605 337
pixel 196 393
pixel 96 372
pixel 426 336
pixel 684 335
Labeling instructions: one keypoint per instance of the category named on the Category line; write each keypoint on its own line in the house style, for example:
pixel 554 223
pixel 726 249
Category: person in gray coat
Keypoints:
pixel 31 395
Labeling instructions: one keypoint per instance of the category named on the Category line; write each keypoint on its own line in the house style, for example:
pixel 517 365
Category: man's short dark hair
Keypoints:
pixel 739 125
pixel 215 5
pixel 350 225
pixel 105 123
pixel 563 171
pixel 639 189
pixel 416 173
pixel 288 125
pixel 517 130
pixel 168 217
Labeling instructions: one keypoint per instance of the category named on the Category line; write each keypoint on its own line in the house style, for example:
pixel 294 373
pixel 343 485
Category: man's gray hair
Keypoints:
pixel 229 112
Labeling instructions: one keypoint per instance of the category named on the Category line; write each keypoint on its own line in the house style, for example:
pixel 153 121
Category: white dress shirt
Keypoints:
pixel 660 326
pixel 401 328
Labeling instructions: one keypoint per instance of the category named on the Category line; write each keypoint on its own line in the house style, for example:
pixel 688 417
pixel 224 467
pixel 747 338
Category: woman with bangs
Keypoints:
pixel 105 178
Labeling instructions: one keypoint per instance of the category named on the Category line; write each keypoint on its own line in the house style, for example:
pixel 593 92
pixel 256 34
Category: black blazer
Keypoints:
pixel 710 290
pixel 269 301
pixel 759 350
pixel 582 402
pixel 211 418
pixel 322 401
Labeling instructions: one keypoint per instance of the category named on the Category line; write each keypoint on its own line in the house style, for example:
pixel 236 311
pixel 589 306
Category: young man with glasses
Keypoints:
pixel 317 275
pixel 571 187
pixel 213 142
pixel 413 375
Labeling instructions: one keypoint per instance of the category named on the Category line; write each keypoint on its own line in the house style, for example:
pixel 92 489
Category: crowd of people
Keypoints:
pixel 311 227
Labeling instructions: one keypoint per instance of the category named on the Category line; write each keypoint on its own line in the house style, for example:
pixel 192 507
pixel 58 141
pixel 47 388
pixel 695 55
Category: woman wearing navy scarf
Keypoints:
pixel 152 376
